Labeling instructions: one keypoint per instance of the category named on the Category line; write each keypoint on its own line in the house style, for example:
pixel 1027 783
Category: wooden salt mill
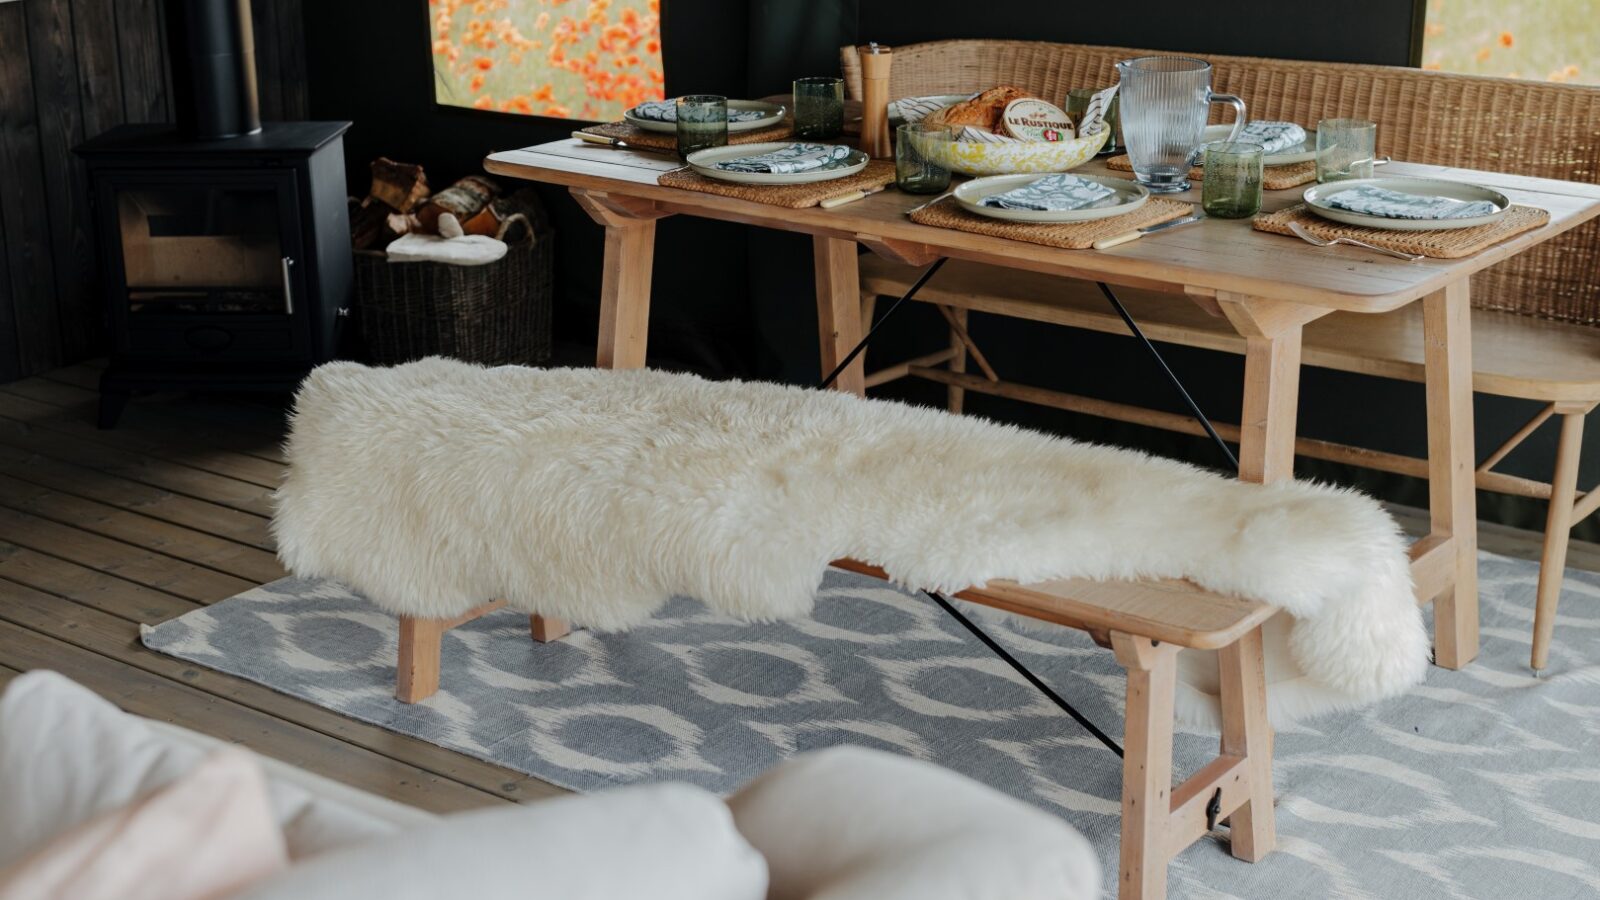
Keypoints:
pixel 875 62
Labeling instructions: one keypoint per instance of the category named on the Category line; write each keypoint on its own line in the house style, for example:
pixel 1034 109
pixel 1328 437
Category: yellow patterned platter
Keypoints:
pixel 1013 158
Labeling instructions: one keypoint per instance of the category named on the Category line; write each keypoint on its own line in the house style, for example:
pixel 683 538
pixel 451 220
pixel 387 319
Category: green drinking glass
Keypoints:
pixel 1231 188
pixel 1078 104
pixel 818 108
pixel 915 147
pixel 702 122
pixel 1346 148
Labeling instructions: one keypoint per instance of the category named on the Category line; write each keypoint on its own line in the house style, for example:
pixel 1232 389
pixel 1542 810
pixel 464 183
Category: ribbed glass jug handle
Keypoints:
pixel 1238 110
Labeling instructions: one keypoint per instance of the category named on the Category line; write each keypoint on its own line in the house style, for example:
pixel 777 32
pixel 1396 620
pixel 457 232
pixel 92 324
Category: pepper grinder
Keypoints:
pixel 875 62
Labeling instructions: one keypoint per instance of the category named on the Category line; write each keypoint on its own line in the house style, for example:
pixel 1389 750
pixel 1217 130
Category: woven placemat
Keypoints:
pixel 638 138
pixel 877 174
pixel 1273 178
pixel 1452 243
pixel 947 213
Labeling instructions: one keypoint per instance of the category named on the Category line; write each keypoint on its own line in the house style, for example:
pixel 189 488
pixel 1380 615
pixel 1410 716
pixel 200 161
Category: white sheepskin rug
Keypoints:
pixel 594 496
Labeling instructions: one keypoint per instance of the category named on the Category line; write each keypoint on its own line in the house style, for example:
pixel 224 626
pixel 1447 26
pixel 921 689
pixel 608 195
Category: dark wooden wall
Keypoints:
pixel 70 69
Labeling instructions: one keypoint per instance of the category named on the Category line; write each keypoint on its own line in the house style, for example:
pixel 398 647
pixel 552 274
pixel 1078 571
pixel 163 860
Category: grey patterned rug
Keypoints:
pixel 1483 783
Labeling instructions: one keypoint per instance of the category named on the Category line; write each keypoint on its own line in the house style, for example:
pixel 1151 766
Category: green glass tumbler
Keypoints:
pixel 1346 148
pixel 1078 104
pixel 702 122
pixel 916 146
pixel 1231 188
pixel 818 108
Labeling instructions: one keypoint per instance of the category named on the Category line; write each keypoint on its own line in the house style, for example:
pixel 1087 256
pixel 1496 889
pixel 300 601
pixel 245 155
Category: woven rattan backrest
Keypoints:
pixel 1519 127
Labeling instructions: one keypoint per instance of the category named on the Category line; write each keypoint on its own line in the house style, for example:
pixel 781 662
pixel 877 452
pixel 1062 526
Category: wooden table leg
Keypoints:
pixel 1146 765
pixel 839 310
pixel 1271 330
pixel 630 226
pixel 1452 497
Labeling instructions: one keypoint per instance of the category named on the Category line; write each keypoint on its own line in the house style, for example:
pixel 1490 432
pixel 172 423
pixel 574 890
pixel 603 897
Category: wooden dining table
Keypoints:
pixel 1267 286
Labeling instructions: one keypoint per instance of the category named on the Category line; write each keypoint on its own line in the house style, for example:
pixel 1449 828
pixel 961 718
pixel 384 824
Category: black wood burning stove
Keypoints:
pixel 225 244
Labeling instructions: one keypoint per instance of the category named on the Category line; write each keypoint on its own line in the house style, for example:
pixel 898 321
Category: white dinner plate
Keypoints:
pixel 1304 153
pixel 704 162
pixel 773 113
pixel 1129 196
pixel 1316 198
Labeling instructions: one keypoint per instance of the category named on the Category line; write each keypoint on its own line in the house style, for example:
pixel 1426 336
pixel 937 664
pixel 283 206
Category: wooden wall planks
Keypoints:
pixel 70 69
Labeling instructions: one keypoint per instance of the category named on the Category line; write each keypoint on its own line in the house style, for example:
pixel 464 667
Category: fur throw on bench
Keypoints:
pixel 593 496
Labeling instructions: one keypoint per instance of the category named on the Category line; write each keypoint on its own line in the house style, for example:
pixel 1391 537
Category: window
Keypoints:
pixel 570 59
pixel 1543 40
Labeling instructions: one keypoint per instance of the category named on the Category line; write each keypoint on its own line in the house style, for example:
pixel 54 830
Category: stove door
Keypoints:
pixel 205 265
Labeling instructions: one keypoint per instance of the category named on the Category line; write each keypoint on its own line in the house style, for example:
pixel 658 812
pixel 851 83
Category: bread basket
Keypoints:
pixel 978 158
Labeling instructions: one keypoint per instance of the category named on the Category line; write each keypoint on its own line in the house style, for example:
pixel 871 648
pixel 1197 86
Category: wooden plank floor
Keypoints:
pixel 103 530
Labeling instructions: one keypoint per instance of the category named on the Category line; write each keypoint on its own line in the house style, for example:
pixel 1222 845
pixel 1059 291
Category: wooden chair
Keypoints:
pixel 1535 315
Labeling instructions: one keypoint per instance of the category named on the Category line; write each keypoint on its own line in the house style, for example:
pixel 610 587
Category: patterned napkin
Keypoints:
pixel 789 160
pixel 667 111
pixel 1274 137
pixel 1052 193
pixel 1377 201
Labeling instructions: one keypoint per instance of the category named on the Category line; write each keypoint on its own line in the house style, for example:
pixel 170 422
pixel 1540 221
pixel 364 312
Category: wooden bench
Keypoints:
pixel 1533 326
pixel 1145 624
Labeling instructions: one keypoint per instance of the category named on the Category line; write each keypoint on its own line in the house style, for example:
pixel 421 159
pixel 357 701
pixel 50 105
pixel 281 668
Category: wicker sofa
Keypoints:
pixel 1536 315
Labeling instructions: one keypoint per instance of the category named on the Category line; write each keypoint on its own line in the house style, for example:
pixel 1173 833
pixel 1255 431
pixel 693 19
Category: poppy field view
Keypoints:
pixel 1543 40
pixel 568 59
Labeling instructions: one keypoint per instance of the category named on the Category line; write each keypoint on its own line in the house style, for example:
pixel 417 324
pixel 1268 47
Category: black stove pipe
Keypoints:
pixel 213 56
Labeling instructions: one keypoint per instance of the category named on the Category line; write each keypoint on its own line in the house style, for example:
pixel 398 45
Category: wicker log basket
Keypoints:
pixel 496 314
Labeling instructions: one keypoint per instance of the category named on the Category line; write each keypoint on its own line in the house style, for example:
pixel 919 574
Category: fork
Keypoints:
pixel 1301 232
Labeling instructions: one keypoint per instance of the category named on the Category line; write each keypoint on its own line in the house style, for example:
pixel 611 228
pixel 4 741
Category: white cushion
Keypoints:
pixel 664 842
pixel 67 756
pixel 857 824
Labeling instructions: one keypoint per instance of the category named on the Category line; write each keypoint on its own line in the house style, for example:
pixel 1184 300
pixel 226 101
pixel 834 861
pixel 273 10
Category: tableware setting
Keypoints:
pixel 1232 186
pixel 1406 204
pixel 1165 100
pixel 818 107
pixel 1282 143
pixel 1053 198
pixel 701 121
pixel 915 171
pixel 1006 130
pixel 1304 234
pixel 1135 234
pixel 1346 148
pixel 778 163
pixel 661 116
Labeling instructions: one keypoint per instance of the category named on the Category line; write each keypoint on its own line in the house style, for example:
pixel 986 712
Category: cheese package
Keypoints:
pixel 1031 119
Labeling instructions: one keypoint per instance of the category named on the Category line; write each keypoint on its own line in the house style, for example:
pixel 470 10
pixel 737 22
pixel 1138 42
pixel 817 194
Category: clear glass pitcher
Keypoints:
pixel 1165 100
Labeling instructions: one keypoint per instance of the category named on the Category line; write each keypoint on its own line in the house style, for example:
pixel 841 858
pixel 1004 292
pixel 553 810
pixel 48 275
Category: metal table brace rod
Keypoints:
pixel 946 605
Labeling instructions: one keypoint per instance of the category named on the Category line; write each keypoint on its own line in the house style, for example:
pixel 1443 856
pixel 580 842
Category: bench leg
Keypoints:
pixel 1146 765
pixel 1557 532
pixel 1247 734
pixel 417 667
pixel 417 675
pixel 546 629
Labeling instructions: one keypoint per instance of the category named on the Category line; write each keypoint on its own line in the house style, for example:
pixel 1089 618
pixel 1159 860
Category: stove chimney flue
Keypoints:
pixel 213 68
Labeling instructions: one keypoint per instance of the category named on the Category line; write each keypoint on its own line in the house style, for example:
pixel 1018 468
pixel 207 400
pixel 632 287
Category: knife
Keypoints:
pixel 618 143
pixel 1125 237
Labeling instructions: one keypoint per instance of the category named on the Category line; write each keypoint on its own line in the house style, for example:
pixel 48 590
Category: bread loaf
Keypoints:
pixel 983 111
